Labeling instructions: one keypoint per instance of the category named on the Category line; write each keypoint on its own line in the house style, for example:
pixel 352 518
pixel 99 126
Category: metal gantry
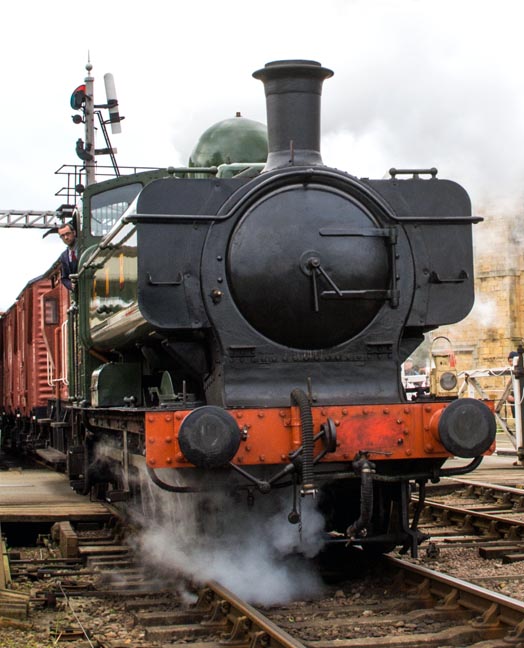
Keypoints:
pixel 471 385
pixel 31 219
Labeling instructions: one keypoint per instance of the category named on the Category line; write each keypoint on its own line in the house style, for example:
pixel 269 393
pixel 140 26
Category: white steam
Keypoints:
pixel 255 552
pixel 484 311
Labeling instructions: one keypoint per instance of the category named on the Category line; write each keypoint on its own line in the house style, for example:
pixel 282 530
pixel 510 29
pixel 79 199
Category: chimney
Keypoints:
pixel 293 90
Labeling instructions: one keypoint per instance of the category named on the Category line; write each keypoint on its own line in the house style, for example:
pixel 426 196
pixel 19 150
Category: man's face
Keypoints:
pixel 67 235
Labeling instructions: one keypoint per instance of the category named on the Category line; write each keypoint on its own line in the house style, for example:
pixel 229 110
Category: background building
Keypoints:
pixel 495 325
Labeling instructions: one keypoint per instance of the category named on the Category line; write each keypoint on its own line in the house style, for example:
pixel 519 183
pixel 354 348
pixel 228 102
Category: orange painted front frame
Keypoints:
pixel 387 432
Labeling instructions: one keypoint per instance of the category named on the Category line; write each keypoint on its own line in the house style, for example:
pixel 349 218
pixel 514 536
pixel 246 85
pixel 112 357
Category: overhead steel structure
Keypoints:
pixel 31 219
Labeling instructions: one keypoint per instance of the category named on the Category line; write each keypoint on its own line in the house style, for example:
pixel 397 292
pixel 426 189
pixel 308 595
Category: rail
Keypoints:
pixel 495 609
pixel 243 621
pixel 476 522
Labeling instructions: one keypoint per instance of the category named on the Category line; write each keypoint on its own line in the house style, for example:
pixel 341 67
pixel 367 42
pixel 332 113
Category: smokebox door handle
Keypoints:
pixel 176 282
pixel 435 278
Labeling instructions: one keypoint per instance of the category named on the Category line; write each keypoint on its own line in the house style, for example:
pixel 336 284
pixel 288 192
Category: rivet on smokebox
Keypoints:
pixel 216 295
pixel 178 417
pixel 169 439
pixel 261 415
pixel 262 458
pixel 151 440
pixel 428 449
pixel 167 418
pixel 150 419
pixel 152 462
pixel 169 460
pixel 385 410
pixel 344 412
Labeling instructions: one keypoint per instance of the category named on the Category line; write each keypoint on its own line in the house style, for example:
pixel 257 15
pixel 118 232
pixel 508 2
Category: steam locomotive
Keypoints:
pixel 242 322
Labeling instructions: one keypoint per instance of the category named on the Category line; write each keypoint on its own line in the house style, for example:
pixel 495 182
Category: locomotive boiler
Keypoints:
pixel 244 324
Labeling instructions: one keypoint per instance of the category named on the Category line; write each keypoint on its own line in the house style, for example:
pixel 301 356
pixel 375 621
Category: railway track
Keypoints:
pixel 477 513
pixel 110 599
pixel 435 610
pixel 481 494
pixel 86 585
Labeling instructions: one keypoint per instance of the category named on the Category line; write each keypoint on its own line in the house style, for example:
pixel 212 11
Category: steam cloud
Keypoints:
pixel 485 311
pixel 256 552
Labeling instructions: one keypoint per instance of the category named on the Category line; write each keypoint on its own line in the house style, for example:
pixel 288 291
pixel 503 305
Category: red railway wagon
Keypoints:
pixel 34 371
pixel 55 305
pixel 1 363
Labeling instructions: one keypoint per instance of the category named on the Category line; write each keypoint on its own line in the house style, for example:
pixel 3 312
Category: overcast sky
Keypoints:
pixel 417 83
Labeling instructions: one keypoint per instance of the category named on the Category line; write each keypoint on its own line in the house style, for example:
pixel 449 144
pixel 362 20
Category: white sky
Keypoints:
pixel 417 83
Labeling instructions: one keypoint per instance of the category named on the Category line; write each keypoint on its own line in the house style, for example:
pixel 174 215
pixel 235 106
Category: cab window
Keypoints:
pixel 108 206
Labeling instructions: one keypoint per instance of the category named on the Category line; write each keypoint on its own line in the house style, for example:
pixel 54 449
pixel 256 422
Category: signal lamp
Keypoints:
pixel 448 381
pixel 78 97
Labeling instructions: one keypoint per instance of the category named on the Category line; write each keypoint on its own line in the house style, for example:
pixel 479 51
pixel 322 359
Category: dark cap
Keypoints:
pixel 512 354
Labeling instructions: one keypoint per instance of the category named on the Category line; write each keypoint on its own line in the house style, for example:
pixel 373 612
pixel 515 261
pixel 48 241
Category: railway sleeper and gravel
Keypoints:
pixel 362 614
pixel 453 519
pixel 107 598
